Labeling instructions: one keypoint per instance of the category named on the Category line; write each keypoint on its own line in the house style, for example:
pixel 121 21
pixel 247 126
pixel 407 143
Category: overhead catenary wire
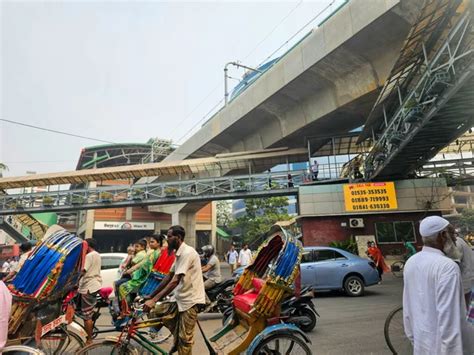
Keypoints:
pixel 268 57
pixel 217 86
pixel 55 131
pixel 202 119
pixel 273 29
pixel 298 32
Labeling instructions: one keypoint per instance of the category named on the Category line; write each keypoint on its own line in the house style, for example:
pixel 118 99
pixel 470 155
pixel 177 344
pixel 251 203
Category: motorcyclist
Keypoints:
pixel 212 270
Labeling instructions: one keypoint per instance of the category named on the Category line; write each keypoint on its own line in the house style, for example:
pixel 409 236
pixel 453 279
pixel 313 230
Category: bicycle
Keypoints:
pixel 15 349
pixel 131 332
pixel 397 268
pixel 394 333
pixel 271 344
pixel 156 336
pixel 51 329
pixel 255 327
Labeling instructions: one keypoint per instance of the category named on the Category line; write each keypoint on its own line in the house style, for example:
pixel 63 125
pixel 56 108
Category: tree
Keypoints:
pixel 466 221
pixel 2 167
pixel 261 214
pixel 224 213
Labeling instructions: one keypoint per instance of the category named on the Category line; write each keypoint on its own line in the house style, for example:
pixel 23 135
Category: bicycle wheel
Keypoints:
pixel 107 347
pixel 397 268
pixel 282 343
pixel 22 349
pixel 60 341
pixel 394 332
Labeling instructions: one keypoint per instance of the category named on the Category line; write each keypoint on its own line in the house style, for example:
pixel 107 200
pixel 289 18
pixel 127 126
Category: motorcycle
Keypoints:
pixel 220 297
pixel 299 311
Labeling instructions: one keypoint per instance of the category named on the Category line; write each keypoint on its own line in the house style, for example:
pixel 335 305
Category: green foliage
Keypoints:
pixel 466 221
pixel 349 245
pixel 171 191
pixel 2 167
pixel 105 196
pixel 224 213
pixel 261 214
pixel 48 201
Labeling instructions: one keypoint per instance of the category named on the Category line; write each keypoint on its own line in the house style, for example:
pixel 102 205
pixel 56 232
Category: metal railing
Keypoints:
pixel 440 75
pixel 232 187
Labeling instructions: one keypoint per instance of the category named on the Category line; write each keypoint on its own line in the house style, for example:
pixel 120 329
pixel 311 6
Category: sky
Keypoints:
pixel 126 71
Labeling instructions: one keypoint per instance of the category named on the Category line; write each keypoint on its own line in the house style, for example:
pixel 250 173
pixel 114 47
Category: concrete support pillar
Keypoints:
pixel 188 221
pixel 213 223
pixel 90 219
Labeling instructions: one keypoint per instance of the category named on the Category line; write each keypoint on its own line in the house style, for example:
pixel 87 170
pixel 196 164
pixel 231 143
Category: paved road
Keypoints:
pixel 355 325
pixel 347 325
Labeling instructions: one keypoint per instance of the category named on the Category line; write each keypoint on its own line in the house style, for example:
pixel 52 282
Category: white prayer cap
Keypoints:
pixel 432 225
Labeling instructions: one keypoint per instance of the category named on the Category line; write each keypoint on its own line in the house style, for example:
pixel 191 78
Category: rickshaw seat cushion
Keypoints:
pixel 245 301
pixel 257 284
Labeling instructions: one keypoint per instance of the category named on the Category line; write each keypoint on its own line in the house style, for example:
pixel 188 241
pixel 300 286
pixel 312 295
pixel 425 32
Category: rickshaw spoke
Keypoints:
pixel 292 344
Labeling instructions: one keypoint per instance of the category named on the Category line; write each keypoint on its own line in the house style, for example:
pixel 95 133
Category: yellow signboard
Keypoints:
pixel 370 196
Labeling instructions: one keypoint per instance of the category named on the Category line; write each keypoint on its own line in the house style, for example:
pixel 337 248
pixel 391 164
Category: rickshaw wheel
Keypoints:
pixel 282 343
pixel 108 347
pixel 60 341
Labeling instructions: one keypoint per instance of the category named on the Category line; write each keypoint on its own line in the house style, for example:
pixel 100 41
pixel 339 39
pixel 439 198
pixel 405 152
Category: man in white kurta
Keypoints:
pixel 5 307
pixel 466 264
pixel 434 312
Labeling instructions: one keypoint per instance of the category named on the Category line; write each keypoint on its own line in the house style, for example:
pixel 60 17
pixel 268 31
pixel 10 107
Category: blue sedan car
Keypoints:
pixel 326 268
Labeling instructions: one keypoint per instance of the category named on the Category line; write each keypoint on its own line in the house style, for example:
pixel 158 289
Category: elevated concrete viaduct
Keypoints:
pixel 325 85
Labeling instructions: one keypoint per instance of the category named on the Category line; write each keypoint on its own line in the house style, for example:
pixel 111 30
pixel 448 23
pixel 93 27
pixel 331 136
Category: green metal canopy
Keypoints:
pixel 222 233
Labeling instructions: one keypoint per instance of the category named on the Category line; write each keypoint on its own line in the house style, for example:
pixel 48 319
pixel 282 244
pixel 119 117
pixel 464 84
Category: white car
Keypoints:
pixel 110 268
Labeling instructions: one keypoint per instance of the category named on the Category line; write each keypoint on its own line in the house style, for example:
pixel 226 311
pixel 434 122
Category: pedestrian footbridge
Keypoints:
pixel 193 180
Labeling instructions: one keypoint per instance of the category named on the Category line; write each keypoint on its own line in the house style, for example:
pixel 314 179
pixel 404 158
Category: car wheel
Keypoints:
pixel 354 286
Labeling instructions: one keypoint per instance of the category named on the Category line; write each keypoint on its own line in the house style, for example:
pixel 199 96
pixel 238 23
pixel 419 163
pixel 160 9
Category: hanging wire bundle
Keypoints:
pixel 49 272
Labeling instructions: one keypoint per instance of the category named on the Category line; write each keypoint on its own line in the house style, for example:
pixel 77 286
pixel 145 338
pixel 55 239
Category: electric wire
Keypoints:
pixel 54 131
pixel 298 32
pixel 273 29
pixel 218 85
pixel 268 57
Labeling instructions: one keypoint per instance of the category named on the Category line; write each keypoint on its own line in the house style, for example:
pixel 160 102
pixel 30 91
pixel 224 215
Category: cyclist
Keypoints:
pixel 410 250
pixel 185 279
pixel 89 286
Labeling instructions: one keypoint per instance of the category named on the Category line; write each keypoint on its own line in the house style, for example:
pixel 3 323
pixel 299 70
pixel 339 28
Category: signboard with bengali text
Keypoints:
pixel 104 225
pixel 370 196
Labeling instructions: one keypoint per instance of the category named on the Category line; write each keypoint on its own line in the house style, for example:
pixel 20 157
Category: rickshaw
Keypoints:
pixel 255 327
pixel 38 316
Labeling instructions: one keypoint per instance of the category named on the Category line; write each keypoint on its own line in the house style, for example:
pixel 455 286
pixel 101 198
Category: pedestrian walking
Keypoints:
pixel 245 256
pixel 434 314
pixel 290 181
pixel 232 257
pixel 376 255
pixel 314 170
pixel 6 266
